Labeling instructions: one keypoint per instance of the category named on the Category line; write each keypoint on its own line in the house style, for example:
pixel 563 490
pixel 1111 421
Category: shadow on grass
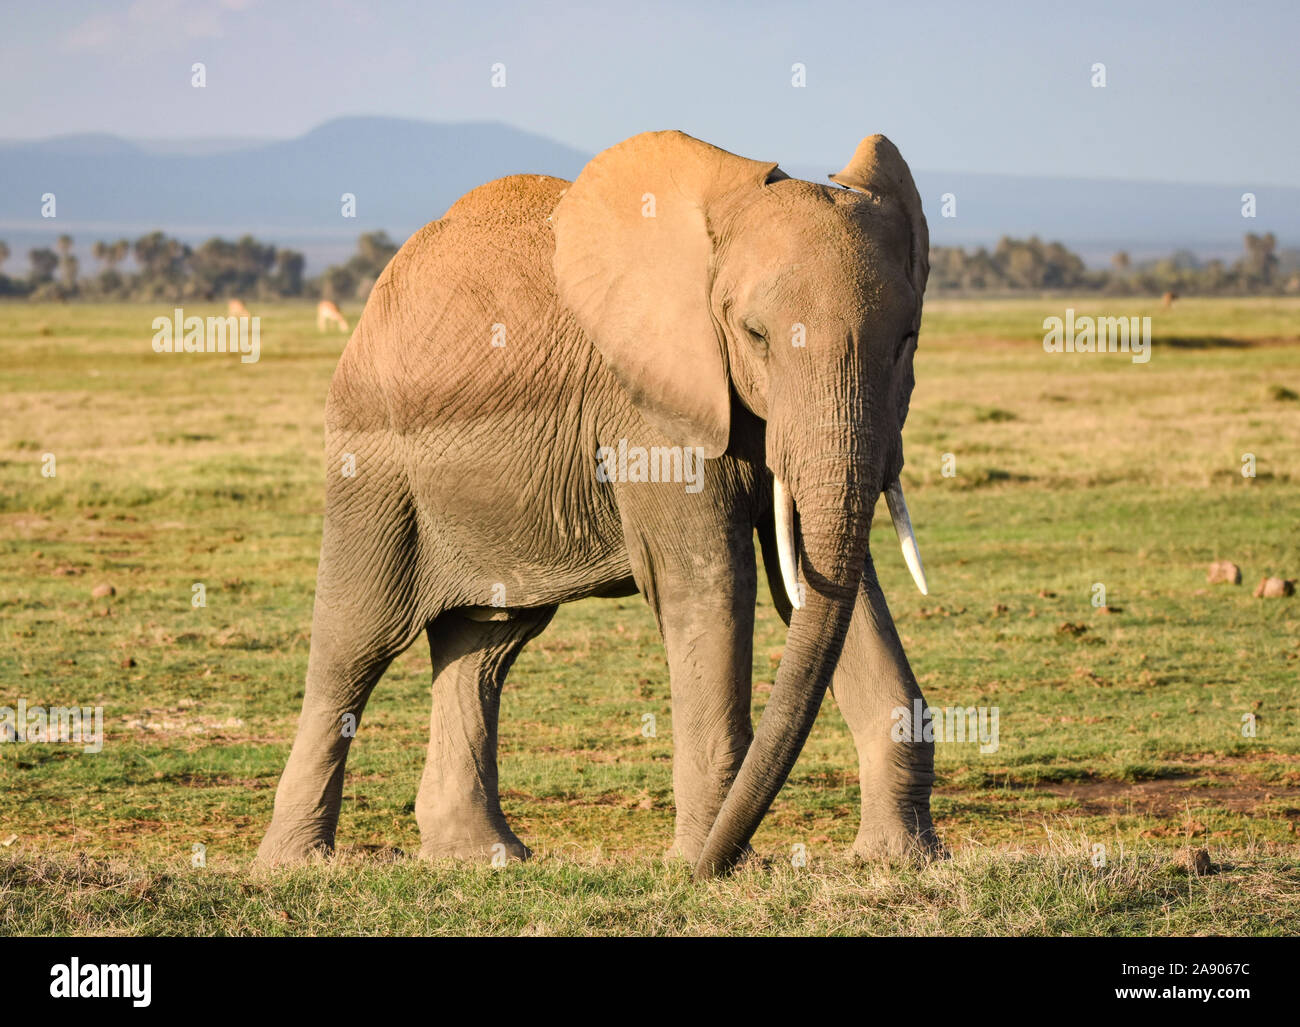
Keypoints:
pixel 1205 342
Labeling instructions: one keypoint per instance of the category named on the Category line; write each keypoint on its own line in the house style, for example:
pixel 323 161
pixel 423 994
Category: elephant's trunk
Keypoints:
pixel 834 526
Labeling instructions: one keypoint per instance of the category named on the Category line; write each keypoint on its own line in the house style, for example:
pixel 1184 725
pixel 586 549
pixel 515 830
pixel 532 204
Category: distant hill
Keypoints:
pixel 405 173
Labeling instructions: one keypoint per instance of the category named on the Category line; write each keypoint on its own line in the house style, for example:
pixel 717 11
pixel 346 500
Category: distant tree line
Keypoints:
pixel 163 268
pixel 1032 264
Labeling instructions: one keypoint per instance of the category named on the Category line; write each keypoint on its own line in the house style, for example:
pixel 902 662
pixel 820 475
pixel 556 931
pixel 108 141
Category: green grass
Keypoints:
pixel 1054 892
pixel 1071 471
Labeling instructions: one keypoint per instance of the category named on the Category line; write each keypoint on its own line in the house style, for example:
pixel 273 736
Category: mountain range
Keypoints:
pixel 405 173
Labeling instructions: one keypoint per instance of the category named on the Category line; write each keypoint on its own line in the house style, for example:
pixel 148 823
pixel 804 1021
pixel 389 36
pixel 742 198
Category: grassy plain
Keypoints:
pixel 1121 729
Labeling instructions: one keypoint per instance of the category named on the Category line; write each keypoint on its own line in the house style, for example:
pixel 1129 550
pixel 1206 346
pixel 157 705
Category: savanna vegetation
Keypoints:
pixel 156 266
pixel 1016 265
pixel 159 267
pixel 1132 734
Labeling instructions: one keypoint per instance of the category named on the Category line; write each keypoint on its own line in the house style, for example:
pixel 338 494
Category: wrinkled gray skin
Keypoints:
pixel 667 324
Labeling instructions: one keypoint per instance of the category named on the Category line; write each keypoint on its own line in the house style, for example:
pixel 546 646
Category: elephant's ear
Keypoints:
pixel 633 257
pixel 878 170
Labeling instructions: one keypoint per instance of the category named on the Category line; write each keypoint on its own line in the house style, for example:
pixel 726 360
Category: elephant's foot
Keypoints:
pixel 896 842
pixel 472 836
pixel 690 847
pixel 687 848
pixel 299 842
pixel 692 829
pixel 699 793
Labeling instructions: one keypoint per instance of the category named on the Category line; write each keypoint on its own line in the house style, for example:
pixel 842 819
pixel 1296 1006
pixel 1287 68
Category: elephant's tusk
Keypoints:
pixel 903 525
pixel 783 504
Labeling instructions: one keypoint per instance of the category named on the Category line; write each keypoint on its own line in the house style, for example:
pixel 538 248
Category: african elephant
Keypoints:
pixel 674 295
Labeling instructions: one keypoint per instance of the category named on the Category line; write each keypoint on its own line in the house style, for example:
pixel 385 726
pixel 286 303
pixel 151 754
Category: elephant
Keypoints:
pixel 675 299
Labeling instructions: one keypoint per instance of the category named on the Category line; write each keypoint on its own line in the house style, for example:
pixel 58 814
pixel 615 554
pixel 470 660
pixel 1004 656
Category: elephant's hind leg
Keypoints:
pixel 366 613
pixel 458 807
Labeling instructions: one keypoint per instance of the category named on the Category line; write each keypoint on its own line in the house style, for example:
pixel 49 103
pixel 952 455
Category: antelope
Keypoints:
pixel 1167 300
pixel 237 309
pixel 327 312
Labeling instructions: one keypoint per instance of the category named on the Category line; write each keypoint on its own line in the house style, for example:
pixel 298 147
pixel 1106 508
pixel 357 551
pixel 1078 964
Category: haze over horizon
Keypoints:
pixel 407 172
pixel 198 145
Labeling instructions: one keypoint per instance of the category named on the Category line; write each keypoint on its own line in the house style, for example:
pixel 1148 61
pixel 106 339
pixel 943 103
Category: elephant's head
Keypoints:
pixel 697 274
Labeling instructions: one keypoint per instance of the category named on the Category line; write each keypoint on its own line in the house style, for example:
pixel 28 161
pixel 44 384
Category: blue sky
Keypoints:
pixel 1195 91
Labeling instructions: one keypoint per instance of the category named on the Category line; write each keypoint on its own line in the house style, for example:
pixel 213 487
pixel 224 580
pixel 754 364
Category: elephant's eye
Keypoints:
pixel 757 335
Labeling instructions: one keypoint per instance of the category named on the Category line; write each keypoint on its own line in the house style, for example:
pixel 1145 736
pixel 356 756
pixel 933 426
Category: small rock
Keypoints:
pixel 128 662
pixel 999 609
pixel 67 570
pixel 1066 628
pixel 9 841
pixel 1106 611
pixel 1274 588
pixel 103 591
pixel 1196 862
pixel 1045 594
pixel 1223 572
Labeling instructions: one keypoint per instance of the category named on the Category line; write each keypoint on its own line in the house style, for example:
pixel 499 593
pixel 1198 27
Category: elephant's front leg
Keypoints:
pixel 871 684
pixel 708 633
pixel 697 572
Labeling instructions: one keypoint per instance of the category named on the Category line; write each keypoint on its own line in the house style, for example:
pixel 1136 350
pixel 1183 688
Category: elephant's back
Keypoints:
pixel 513 200
pixel 464 319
